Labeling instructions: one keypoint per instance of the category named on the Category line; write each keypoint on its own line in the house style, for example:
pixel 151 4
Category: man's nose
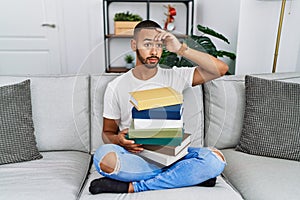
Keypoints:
pixel 153 51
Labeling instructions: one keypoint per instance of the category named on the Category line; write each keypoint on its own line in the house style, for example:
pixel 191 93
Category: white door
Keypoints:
pixel 29 37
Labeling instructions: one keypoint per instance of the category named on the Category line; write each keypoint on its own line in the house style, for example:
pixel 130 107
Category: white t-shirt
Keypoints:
pixel 116 97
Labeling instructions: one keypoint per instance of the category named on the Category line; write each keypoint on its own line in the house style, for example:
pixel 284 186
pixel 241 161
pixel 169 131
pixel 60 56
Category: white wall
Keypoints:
pixel 223 17
pixel 257 37
pixel 82 40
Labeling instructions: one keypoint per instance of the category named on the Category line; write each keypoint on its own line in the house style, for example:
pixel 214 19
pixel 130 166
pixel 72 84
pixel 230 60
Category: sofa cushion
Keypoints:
pixel 59 175
pixel 261 178
pixel 224 103
pixel 271 121
pixel 17 140
pixel 98 86
pixel 192 112
pixel 224 110
pixel 193 115
pixel 221 191
pixel 60 109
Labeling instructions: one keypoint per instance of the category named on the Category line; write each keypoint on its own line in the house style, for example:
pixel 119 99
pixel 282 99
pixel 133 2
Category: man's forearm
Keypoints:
pixel 110 131
pixel 110 138
pixel 209 67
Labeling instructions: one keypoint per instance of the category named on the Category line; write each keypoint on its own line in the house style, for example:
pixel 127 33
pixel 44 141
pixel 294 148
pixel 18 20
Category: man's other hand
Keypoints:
pixel 128 144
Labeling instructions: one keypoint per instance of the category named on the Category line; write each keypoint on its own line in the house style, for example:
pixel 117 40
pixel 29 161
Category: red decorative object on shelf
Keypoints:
pixel 169 23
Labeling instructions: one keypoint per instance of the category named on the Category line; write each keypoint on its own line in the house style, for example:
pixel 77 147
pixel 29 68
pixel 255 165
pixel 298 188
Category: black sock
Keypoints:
pixel 107 185
pixel 208 183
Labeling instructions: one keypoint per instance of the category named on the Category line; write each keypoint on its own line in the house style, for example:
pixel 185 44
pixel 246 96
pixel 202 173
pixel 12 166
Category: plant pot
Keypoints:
pixel 124 27
pixel 129 65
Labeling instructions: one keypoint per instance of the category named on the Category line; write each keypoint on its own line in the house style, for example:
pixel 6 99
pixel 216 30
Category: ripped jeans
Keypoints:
pixel 199 165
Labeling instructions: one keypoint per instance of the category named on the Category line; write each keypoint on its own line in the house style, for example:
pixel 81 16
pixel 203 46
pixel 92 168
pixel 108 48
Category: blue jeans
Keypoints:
pixel 199 165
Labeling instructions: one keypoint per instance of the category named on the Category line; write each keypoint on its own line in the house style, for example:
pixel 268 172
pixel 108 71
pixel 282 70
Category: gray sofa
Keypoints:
pixel 68 123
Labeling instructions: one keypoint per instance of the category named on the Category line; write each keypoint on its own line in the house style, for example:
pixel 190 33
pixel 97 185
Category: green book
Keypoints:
pixel 158 141
pixel 162 136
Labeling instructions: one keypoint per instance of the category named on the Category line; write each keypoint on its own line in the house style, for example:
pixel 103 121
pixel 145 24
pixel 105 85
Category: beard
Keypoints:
pixel 146 61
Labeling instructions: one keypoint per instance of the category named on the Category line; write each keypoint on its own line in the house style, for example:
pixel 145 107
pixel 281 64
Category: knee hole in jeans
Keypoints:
pixel 219 154
pixel 109 162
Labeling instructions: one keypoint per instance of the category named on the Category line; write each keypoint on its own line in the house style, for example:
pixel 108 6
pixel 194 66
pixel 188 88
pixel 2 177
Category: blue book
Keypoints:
pixel 166 112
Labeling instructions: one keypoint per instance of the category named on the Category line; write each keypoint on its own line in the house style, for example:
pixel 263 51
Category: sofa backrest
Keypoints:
pixel 224 102
pixel 98 86
pixel 60 108
pixel 192 112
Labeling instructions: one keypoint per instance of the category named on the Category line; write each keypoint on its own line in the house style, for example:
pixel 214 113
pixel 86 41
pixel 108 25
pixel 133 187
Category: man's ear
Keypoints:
pixel 133 44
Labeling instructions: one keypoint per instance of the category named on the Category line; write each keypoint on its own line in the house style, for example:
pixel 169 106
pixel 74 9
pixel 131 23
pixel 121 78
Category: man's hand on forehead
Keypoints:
pixel 162 34
pixel 171 42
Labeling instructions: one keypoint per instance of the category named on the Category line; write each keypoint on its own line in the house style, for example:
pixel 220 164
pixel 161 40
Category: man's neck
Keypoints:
pixel 143 73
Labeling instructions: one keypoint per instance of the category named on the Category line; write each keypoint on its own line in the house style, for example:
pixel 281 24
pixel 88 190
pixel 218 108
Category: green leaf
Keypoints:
pixel 211 32
pixel 202 43
pixel 168 59
pixel 127 16
pixel 230 55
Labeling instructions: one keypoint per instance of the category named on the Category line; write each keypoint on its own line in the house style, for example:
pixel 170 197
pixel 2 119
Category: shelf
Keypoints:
pixel 118 36
pixel 108 38
pixel 150 1
pixel 117 70
pixel 131 36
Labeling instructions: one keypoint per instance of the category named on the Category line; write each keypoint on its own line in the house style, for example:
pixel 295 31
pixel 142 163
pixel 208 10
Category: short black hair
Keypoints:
pixel 146 24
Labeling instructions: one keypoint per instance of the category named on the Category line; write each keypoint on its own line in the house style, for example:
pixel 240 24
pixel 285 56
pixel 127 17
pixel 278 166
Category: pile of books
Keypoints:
pixel 157 124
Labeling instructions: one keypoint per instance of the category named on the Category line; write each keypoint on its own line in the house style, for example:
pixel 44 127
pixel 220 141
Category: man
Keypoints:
pixel 125 171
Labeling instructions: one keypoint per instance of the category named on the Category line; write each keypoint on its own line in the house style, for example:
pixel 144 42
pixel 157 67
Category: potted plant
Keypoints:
pixel 201 43
pixel 125 22
pixel 129 61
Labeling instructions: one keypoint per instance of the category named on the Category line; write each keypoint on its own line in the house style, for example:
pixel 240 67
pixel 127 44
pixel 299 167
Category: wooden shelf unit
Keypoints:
pixel 108 36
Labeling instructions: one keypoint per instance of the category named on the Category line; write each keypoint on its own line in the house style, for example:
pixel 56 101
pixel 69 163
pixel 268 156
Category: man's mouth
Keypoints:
pixel 153 59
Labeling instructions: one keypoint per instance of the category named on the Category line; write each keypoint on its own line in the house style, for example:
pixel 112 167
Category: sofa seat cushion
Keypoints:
pixel 258 177
pixel 59 175
pixel 221 191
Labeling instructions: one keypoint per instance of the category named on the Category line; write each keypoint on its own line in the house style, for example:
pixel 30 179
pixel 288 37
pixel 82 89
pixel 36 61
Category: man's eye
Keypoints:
pixel 159 45
pixel 147 45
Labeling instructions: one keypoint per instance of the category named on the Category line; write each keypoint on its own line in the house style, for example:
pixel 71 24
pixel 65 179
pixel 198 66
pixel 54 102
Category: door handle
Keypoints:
pixel 49 25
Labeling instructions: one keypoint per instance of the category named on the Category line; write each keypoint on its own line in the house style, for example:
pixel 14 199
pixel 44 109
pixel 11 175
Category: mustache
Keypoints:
pixel 152 57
